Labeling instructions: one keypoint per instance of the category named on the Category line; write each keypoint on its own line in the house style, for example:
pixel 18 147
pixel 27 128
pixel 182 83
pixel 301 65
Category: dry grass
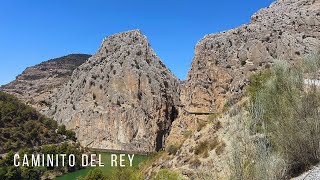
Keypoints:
pixel 201 124
pixel 201 147
pixel 195 163
pixel 173 148
pixel 220 148
pixel 187 134
pixel 214 143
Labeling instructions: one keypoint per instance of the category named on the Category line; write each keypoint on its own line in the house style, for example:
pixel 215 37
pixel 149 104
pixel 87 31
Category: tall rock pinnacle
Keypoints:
pixel 122 98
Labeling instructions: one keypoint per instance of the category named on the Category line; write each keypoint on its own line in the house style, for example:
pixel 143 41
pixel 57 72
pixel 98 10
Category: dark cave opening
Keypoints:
pixel 164 128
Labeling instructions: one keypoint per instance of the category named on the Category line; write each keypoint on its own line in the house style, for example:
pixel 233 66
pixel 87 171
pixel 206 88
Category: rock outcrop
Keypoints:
pixel 220 71
pixel 224 61
pixel 122 98
pixel 36 85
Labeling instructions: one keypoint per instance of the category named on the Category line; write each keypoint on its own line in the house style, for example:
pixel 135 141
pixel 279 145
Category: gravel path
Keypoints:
pixel 313 174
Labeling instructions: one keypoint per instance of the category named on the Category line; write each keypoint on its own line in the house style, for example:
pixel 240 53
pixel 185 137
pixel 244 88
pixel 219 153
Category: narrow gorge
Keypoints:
pixel 124 98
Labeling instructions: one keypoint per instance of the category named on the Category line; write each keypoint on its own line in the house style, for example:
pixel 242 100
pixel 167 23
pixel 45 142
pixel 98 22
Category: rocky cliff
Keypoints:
pixel 125 98
pixel 220 71
pixel 122 98
pixel 36 85
pixel 224 61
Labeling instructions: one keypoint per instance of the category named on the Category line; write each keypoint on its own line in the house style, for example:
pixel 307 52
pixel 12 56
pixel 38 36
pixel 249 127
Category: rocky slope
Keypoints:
pixel 38 83
pixel 122 98
pixel 224 61
pixel 218 76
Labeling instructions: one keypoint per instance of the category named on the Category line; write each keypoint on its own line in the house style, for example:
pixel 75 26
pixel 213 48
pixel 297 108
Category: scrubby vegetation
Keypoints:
pixel 220 148
pixel 281 133
pixel 24 130
pixel 172 149
pixel 123 173
pixel 95 174
pixel 8 171
pixel 201 147
pixel 166 174
pixel 195 163
pixel 21 126
pixel 70 134
pixel 119 173
pixel 201 124
pixel 187 134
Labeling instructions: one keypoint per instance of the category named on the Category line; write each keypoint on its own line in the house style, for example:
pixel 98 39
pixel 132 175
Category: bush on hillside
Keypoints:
pixel 166 174
pixel 288 113
pixel 172 149
pixel 127 172
pixel 283 127
pixel 22 126
pixel 95 174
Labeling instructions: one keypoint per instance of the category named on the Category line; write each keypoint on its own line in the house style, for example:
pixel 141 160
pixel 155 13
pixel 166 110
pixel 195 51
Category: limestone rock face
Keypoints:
pixel 122 98
pixel 224 61
pixel 36 85
pixel 220 71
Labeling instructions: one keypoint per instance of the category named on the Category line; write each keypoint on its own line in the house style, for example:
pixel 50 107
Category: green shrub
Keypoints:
pixel 172 149
pixel 251 156
pixel 166 174
pixel 281 134
pixel 61 129
pixel 257 81
pixel 95 174
pixel 71 135
pixel 127 172
pixel 22 126
pixel 187 134
pixel 290 116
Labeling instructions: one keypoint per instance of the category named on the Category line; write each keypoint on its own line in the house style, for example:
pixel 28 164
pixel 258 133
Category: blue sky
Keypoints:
pixel 37 30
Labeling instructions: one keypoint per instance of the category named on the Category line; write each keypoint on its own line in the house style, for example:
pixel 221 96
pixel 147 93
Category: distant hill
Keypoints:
pixel 36 84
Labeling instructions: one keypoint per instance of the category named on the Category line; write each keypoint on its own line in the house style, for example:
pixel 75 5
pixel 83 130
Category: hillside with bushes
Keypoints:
pixel 24 130
pixel 23 127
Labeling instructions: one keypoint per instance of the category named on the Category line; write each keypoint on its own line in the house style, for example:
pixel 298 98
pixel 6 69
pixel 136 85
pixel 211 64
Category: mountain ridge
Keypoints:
pixel 36 84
